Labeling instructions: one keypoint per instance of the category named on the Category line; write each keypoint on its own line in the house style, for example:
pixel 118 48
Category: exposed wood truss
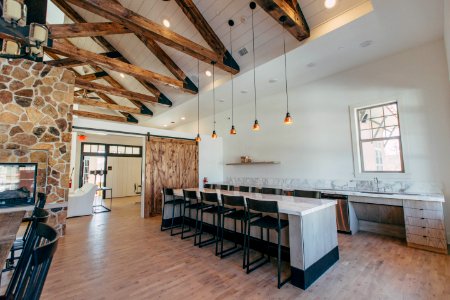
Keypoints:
pixel 295 21
pixel 97 87
pixel 142 26
pixel 94 76
pixel 92 115
pixel 95 103
pixel 112 64
pixel 63 31
pixel 65 62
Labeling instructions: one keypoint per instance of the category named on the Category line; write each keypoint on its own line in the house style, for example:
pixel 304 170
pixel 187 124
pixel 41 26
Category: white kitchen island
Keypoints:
pixel 311 237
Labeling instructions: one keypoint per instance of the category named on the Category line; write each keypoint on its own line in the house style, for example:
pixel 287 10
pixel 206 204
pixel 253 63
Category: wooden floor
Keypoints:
pixel 118 255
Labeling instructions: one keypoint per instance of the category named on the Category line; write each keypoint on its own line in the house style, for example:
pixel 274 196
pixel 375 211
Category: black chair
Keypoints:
pixel 42 199
pixel 236 211
pixel 208 186
pixel 190 202
pixel 29 277
pixel 211 205
pixel 271 191
pixel 255 190
pixel 170 198
pixel 307 194
pixel 245 189
pixel 268 222
pixel 39 215
pixel 223 187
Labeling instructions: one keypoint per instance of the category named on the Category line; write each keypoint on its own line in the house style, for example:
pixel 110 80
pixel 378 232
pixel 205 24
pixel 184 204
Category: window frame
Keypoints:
pixel 356 142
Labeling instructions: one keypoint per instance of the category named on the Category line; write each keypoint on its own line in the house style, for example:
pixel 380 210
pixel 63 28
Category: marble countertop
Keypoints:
pixel 286 204
pixel 49 205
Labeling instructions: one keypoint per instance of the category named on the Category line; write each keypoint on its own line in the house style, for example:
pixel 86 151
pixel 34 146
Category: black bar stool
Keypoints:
pixel 267 222
pixel 236 211
pixel 245 189
pixel 212 206
pixel 170 198
pixel 39 215
pixel 208 186
pixel 190 202
pixel 222 187
pixel 271 191
pixel 29 276
pixel 255 190
pixel 307 194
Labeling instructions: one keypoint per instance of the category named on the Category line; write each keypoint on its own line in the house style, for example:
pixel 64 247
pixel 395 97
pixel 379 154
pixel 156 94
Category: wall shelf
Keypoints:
pixel 255 163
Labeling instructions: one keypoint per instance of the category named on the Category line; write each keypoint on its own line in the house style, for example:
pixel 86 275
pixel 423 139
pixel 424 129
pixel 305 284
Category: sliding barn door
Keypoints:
pixel 169 163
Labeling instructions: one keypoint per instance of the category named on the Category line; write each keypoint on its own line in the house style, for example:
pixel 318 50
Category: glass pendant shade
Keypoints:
pixel 12 11
pixel 288 119
pixel 214 135
pixel 256 126
pixel 10 47
pixel 198 139
pixel 38 34
pixel 233 130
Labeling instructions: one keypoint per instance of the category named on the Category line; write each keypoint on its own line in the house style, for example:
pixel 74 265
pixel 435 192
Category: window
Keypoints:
pixel 380 146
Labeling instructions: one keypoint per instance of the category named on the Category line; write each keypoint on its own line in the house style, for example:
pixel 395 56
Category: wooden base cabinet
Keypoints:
pixel 424 224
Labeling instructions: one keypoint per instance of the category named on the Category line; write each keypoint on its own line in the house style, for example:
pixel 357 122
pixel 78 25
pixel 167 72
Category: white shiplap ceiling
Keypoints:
pixel 217 12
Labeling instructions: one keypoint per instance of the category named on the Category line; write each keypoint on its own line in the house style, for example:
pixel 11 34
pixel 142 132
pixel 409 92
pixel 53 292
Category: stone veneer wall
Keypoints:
pixel 35 121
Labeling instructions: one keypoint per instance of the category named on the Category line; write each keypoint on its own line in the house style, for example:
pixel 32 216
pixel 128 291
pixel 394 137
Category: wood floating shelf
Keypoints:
pixel 255 163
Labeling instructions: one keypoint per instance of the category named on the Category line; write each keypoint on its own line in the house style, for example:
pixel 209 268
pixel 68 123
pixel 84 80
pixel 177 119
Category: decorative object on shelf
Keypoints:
pixel 198 138
pixel 256 126
pixel 82 138
pixel 214 134
pixel 254 163
pixel 233 129
pixel 18 39
pixel 288 119
pixel 245 159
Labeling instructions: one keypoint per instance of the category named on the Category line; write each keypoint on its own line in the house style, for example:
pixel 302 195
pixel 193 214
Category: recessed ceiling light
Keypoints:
pixel 329 3
pixel 172 122
pixel 273 80
pixel 244 92
pixel 122 75
pixel 208 73
pixel 166 23
pixel 366 43
pixel 183 118
pixel 165 125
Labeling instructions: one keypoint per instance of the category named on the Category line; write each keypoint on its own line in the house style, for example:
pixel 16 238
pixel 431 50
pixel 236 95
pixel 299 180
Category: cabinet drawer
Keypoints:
pixel 424 231
pixel 430 205
pixel 422 222
pixel 426 241
pixel 424 213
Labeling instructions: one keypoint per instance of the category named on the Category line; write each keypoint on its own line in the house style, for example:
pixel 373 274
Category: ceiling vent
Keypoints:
pixel 242 51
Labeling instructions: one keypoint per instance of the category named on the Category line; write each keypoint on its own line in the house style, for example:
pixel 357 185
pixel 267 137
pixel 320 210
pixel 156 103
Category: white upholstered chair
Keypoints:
pixel 81 201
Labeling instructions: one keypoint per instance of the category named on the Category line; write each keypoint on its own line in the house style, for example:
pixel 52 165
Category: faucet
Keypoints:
pixel 377 181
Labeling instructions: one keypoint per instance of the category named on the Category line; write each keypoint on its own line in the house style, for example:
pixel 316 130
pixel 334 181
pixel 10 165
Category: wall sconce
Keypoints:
pixel 10 47
pixel 15 12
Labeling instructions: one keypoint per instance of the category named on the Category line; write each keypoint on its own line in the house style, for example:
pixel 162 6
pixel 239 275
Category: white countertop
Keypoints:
pixel 286 204
pixel 31 207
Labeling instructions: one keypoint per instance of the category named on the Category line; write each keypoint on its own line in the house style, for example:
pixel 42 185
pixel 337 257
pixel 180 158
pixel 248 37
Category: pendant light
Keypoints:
pixel 214 134
pixel 288 119
pixel 198 138
pixel 256 126
pixel 232 130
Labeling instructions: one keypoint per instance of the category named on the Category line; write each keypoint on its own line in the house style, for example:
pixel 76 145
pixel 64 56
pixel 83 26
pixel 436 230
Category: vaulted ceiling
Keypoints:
pixel 130 48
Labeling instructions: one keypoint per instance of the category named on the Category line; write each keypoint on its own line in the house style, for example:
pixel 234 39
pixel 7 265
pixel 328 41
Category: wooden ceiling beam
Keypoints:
pixel 97 87
pixel 97 116
pixel 64 62
pixel 102 42
pixel 140 25
pixel 95 103
pixel 295 20
pixel 112 64
pixel 94 76
pixel 63 31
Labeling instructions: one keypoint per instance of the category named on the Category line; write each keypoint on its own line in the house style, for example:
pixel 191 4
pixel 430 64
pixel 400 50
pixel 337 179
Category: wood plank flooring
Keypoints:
pixel 121 256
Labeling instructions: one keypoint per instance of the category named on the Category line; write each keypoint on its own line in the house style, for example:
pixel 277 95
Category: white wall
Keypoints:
pixel 447 30
pixel 318 145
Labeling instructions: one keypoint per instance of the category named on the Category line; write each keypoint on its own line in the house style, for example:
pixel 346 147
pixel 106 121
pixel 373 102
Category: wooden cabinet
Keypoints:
pixel 424 224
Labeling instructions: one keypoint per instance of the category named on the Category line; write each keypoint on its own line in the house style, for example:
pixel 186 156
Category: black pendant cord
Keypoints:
pixel 285 68
pixel 231 23
pixel 254 64
pixel 214 95
pixel 198 97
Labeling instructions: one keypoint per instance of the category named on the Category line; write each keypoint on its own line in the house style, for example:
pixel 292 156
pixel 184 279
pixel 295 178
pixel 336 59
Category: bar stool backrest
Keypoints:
pixel 244 189
pixel 168 194
pixel 255 190
pixel 210 198
pixel 31 271
pixel 208 186
pixel 190 195
pixel 271 191
pixel 223 187
pixel 307 194
pixel 228 200
pixel 39 215
pixel 42 199
pixel 264 206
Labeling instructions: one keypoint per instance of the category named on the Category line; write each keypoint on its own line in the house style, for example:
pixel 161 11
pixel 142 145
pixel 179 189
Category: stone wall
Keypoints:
pixel 35 121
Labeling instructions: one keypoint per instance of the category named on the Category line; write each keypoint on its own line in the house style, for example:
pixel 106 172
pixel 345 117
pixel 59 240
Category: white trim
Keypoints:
pixel 355 140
